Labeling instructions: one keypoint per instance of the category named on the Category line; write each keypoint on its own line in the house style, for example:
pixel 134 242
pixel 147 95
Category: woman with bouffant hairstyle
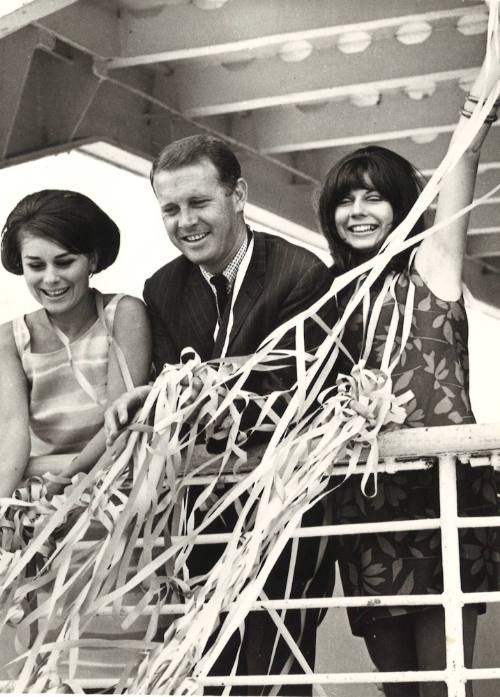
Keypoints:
pixel 64 363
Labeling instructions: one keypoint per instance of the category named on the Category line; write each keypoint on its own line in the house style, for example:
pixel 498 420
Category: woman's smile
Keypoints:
pixel 56 277
pixel 364 219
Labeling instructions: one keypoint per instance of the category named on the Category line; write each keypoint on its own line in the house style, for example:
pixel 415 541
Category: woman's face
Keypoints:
pixel 364 218
pixel 56 278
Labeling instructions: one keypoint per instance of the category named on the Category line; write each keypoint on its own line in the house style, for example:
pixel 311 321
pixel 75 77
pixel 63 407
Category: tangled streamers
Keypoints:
pixel 117 540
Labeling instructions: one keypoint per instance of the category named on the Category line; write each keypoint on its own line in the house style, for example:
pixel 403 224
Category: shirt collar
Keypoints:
pixel 232 268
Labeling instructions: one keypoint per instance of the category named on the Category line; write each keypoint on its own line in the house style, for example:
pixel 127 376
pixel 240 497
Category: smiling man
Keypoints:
pixel 229 289
pixel 224 265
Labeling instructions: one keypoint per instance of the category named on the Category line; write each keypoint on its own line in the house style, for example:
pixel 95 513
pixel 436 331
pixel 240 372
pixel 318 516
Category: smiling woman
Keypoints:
pixel 411 328
pixel 58 279
pixel 364 218
pixel 63 363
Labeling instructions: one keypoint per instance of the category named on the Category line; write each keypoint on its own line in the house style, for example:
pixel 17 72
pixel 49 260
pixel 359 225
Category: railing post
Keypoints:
pixel 451 576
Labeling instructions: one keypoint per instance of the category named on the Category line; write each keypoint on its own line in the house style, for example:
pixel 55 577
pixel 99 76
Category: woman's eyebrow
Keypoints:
pixel 58 256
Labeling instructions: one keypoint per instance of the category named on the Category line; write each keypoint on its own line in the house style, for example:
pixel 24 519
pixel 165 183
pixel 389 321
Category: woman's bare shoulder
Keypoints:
pixel 7 336
pixel 126 302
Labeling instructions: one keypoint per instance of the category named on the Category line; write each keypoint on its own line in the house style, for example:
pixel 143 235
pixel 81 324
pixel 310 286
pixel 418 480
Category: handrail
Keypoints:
pixel 403 449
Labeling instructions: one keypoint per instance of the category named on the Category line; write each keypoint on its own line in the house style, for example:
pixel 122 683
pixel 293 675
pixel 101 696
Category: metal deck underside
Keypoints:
pixel 122 78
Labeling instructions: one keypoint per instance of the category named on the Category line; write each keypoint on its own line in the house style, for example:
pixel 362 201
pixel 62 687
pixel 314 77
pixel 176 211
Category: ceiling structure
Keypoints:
pixel 292 85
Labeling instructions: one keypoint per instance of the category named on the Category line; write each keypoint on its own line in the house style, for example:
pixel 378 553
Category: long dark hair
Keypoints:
pixel 396 179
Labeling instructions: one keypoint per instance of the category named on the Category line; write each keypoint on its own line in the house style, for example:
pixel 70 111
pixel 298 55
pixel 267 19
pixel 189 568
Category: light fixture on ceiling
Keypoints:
pixel 235 66
pixel 423 138
pixel 476 23
pixel 364 99
pixel 413 33
pixel 312 107
pixel 209 4
pixel 354 42
pixel 295 51
pixel 420 89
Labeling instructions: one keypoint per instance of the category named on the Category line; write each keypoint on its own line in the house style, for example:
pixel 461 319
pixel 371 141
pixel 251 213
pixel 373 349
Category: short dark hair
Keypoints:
pixel 394 177
pixel 68 218
pixel 195 149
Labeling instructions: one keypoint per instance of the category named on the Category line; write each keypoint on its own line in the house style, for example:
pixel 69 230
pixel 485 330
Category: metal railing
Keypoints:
pixel 399 450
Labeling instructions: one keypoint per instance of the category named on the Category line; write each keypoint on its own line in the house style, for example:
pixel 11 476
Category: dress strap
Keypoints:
pixel 21 335
pixel 107 317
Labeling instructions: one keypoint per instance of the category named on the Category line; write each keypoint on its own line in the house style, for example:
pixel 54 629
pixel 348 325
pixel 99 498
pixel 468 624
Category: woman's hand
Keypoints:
pixel 121 412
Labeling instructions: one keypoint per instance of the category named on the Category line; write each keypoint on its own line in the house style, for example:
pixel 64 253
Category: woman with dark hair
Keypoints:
pixel 64 363
pixel 364 198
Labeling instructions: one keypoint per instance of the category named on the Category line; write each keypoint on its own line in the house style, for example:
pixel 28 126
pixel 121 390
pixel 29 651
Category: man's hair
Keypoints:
pixel 67 218
pixel 195 149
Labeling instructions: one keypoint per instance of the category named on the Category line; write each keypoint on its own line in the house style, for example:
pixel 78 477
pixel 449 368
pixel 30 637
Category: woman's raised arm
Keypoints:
pixel 439 258
pixel 15 441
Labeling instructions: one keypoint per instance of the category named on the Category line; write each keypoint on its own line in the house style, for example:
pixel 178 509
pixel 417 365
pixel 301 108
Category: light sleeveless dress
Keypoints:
pixel 67 402
pixel 68 386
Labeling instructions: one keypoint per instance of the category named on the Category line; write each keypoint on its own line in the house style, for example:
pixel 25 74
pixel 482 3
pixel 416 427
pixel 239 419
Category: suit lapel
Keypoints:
pixel 200 312
pixel 251 289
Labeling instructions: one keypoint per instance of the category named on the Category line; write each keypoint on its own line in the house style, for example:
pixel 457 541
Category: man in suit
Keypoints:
pixel 226 292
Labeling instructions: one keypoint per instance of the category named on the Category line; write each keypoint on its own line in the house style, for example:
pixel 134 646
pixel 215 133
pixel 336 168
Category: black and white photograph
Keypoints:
pixel 249 347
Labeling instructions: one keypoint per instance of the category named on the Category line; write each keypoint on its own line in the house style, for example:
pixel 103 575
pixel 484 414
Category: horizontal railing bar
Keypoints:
pixel 311 679
pixel 408 443
pixel 333 530
pixel 326 678
pixel 385 466
pixel 333 602
pixel 312 531
pixel 303 603
pixel 481 673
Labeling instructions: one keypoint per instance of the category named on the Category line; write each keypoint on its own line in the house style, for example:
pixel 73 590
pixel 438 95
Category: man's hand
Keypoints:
pixel 196 387
pixel 120 413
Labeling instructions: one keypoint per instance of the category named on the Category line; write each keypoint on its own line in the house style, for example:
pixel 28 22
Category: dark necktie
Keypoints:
pixel 219 282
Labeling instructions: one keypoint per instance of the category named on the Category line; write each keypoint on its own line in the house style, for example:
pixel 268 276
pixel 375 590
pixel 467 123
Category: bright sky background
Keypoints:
pixel 129 200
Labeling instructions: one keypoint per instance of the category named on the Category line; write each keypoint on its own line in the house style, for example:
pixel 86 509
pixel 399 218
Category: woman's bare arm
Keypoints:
pixel 15 442
pixel 439 258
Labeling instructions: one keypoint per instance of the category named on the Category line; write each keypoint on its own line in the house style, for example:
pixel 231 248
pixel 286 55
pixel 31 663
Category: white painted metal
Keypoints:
pixel 244 45
pixel 479 444
pixel 16 14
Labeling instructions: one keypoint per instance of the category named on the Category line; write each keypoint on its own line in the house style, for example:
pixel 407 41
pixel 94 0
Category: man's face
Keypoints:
pixel 202 218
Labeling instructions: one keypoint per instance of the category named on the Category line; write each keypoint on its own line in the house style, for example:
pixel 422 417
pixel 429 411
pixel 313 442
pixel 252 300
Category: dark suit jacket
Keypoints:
pixel 282 280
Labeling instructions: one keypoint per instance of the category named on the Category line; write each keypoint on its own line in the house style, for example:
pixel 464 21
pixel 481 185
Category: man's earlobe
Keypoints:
pixel 241 193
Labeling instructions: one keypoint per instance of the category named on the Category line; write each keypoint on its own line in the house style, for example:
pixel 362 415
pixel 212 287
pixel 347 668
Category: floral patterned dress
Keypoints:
pixel 434 366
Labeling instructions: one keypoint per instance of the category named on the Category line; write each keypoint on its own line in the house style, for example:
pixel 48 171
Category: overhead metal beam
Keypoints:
pixel 147 37
pixel 333 124
pixel 483 284
pixel 92 27
pixel 16 54
pixel 16 14
pixel 484 245
pixel 425 156
pixel 325 75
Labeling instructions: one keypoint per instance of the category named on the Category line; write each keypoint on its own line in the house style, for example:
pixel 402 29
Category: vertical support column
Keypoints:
pixel 451 576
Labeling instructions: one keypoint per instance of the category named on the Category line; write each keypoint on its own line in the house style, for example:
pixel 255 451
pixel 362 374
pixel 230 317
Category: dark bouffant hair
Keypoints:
pixel 195 149
pixel 68 218
pixel 396 179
